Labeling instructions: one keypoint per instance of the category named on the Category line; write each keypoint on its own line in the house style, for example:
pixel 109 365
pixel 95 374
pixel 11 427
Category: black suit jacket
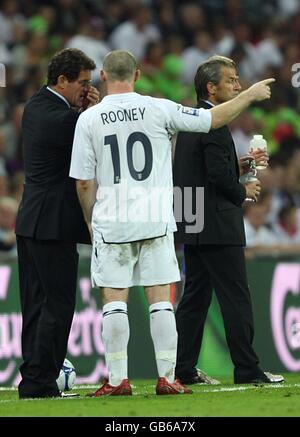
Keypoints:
pixel 210 161
pixel 49 209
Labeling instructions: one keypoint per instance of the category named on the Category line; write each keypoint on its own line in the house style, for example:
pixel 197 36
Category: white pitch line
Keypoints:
pixel 8 388
pixel 250 387
pixel 209 390
pixel 75 387
pixel 5 401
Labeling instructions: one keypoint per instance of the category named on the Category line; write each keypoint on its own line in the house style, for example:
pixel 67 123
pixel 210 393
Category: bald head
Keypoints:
pixel 120 65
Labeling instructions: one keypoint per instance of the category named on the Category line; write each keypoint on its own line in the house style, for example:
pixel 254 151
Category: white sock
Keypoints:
pixel 164 336
pixel 115 335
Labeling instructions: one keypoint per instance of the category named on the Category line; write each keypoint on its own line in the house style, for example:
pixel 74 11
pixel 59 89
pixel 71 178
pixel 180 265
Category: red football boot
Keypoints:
pixel 123 389
pixel 163 387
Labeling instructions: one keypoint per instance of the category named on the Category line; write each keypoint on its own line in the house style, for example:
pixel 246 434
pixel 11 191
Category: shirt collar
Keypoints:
pixel 59 95
pixel 208 102
pixel 119 96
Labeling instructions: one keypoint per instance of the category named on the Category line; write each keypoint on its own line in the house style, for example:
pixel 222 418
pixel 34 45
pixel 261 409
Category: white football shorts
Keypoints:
pixel 145 263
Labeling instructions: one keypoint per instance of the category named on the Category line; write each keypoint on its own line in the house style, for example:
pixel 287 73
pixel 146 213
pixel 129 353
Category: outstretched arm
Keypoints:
pixel 226 112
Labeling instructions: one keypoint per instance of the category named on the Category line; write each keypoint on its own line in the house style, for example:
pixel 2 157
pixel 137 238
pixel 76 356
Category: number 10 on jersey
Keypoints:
pixel 112 141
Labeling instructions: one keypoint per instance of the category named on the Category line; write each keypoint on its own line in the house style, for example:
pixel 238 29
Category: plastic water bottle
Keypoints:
pixel 258 142
pixel 250 176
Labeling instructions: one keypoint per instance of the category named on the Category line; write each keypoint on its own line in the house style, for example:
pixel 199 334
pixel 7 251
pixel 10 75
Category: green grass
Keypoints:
pixel 225 400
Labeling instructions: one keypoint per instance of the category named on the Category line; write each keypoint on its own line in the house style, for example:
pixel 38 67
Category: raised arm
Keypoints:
pixel 224 113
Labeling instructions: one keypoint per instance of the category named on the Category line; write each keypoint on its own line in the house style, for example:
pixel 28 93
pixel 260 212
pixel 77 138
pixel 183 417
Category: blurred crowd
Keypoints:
pixel 170 39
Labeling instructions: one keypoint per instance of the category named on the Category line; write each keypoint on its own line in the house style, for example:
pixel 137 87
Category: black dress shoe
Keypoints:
pixel 29 389
pixel 200 378
pixel 263 378
pixel 40 394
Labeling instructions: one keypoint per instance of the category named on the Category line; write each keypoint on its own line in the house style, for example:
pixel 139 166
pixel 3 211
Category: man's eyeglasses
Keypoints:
pixel 85 82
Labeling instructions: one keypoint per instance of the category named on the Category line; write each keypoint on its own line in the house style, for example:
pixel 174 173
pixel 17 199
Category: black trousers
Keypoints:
pixel 223 269
pixel 48 278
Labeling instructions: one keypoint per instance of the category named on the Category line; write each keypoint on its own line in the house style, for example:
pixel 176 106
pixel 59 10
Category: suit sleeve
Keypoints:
pixel 217 158
pixel 83 160
pixel 68 119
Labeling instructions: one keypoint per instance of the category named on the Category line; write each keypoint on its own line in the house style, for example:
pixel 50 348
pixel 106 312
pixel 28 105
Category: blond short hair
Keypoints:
pixel 120 65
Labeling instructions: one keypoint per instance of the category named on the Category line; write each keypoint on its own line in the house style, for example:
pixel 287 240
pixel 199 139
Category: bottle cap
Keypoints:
pixel 257 137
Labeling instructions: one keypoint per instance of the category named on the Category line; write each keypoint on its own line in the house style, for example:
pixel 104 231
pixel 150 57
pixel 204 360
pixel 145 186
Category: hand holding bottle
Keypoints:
pixel 253 189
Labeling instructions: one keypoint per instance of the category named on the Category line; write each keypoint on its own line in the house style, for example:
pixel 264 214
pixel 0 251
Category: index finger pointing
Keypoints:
pixel 267 81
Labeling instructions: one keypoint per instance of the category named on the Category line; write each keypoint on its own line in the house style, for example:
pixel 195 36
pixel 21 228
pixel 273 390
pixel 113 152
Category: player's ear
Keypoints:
pixel 61 81
pixel 211 88
pixel 103 75
pixel 137 75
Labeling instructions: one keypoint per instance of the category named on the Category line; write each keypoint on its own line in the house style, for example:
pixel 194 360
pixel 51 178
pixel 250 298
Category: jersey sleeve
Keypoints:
pixel 83 160
pixel 186 119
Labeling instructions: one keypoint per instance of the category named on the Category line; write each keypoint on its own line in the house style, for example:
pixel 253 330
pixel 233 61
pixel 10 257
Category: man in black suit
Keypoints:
pixel 214 257
pixel 50 221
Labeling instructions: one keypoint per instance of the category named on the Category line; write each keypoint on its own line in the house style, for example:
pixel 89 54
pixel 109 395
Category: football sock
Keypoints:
pixel 164 336
pixel 115 335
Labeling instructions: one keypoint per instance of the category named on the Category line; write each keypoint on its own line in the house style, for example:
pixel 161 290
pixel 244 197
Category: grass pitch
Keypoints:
pixel 225 400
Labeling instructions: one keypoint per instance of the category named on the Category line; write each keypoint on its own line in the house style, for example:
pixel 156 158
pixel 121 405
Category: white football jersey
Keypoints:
pixel 125 142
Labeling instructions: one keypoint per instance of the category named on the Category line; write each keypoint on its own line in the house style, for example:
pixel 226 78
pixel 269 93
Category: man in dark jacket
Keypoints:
pixel 214 257
pixel 50 221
